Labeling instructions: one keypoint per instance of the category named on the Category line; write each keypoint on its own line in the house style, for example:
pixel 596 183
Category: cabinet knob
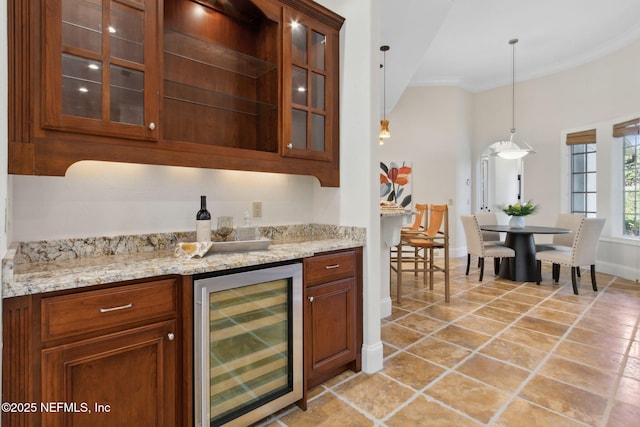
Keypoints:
pixel 289 145
pixel 171 336
pixel 310 299
pixel 152 126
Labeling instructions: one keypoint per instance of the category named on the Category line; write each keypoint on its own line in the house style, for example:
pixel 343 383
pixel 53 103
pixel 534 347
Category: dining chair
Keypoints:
pixel 583 251
pixel 561 241
pixel 489 218
pixel 424 244
pixel 477 247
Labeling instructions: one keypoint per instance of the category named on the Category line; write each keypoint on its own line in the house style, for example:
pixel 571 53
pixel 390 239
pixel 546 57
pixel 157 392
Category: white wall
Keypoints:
pixel 431 127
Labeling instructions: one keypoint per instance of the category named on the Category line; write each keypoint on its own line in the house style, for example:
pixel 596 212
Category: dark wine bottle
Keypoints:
pixel 203 222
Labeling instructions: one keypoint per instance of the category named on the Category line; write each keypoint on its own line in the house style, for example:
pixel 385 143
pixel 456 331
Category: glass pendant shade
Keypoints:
pixel 384 129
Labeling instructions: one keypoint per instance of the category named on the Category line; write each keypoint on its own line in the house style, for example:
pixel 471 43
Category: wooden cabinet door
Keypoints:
pixel 125 378
pixel 100 73
pixel 310 88
pixel 330 326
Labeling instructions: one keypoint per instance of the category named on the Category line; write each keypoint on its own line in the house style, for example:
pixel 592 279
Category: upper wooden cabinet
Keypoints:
pixel 101 67
pixel 245 85
pixel 310 87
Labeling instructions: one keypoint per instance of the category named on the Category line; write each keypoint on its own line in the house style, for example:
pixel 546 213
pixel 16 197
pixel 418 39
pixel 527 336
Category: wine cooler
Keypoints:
pixel 247 344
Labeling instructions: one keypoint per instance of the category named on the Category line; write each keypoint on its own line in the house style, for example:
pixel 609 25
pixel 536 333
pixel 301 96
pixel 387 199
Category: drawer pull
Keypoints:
pixel 310 299
pixel 122 307
pixel 331 267
pixel 171 336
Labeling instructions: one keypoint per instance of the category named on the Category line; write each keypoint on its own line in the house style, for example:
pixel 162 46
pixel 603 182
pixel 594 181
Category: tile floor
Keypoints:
pixel 499 354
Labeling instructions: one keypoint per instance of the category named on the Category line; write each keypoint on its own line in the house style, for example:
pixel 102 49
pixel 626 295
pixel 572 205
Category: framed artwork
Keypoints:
pixel 396 183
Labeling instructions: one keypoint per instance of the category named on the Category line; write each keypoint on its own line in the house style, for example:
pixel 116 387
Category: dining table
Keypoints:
pixel 521 268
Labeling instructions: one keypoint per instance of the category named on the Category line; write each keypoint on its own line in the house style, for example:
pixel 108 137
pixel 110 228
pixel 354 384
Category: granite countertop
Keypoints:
pixel 24 277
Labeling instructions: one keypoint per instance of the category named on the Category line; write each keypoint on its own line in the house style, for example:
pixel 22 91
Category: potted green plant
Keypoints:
pixel 518 211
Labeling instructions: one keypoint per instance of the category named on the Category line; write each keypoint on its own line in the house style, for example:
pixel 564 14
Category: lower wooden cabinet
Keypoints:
pixel 99 357
pixel 124 378
pixel 332 315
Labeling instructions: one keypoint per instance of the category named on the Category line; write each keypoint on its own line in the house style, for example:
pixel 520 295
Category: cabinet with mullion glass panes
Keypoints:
pixel 107 81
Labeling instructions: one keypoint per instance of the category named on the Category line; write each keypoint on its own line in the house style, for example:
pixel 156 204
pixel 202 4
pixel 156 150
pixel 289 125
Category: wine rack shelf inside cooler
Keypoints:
pixel 248 344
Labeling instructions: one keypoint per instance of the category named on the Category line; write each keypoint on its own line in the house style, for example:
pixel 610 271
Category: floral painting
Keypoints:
pixel 395 183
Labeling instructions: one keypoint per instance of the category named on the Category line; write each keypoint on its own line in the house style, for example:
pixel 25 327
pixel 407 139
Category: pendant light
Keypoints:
pixel 384 123
pixel 509 149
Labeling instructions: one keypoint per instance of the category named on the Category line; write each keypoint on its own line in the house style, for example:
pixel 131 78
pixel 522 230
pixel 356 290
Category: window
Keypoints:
pixel 583 172
pixel 631 186
pixel 629 133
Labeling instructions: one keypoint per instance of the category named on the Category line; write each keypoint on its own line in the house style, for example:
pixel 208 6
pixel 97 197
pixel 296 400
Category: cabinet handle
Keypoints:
pixel 331 267
pixel 152 126
pixel 289 145
pixel 171 336
pixel 310 299
pixel 122 307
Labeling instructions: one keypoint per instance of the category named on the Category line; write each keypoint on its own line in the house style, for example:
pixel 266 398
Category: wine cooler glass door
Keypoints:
pixel 251 345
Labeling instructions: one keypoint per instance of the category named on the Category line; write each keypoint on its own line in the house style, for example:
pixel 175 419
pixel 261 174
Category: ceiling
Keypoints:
pixel 465 43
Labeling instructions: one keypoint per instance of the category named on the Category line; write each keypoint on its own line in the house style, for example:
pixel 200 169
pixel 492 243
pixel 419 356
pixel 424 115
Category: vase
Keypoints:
pixel 516 221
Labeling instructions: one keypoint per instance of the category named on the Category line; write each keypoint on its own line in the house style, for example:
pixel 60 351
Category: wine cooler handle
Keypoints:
pixel 122 307
pixel 171 336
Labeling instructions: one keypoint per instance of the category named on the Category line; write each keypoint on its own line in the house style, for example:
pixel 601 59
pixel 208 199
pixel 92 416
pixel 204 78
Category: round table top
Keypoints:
pixel 527 229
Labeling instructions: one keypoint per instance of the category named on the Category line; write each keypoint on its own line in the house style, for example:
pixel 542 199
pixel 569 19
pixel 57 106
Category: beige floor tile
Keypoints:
pixel 460 304
pixel 420 323
pixel 543 326
pixel 396 313
pixel 606 326
pixel 411 370
pixel 623 414
pixel 602 359
pixel 474 398
pixel 581 376
pixel 632 368
pixel 529 338
pixel 539 291
pixel 376 394
pixel 525 357
pixel 522 413
pixel 481 324
pixel 629 391
pixel 563 306
pixel 439 312
pixel 463 337
pixel 485 290
pixel 440 352
pixel 326 411
pixel 498 374
pixel 339 378
pixel 505 304
pixel 399 336
pixel 523 298
pixel 565 399
pixel 422 412
pixel 388 350
pixel 553 315
pixel 497 314
pixel 595 339
pixel 407 303
pixel 475 297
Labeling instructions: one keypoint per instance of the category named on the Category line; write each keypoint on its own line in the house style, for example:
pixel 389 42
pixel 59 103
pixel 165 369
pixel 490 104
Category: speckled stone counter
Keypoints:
pixel 36 267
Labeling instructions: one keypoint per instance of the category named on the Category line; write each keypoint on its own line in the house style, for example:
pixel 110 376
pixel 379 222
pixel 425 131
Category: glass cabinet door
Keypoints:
pixel 99 70
pixel 309 74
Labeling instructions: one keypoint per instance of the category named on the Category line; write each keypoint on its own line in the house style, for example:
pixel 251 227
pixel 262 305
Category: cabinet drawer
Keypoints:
pixel 329 267
pixel 90 311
